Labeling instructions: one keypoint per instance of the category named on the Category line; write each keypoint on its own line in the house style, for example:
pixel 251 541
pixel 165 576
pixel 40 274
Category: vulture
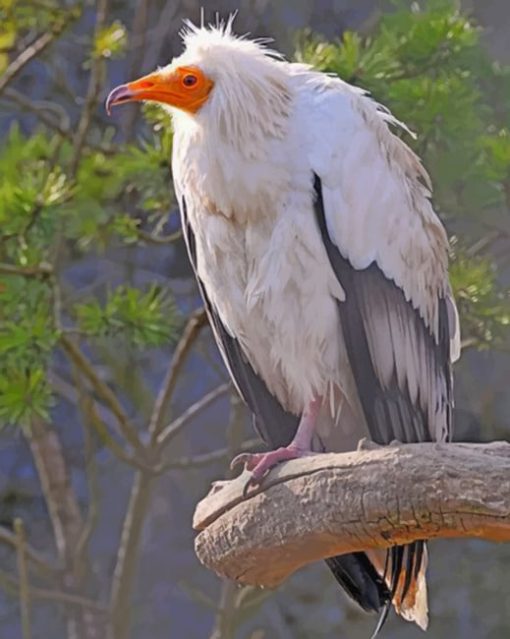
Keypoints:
pixel 321 263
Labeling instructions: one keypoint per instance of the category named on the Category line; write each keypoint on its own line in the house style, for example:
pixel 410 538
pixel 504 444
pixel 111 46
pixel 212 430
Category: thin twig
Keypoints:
pixel 197 461
pixel 90 413
pixel 198 596
pixel 40 270
pixel 483 243
pixel 159 239
pixel 94 87
pixel 196 322
pixel 12 584
pixel 90 467
pixel 161 33
pixel 36 48
pixel 127 429
pixel 39 560
pixel 228 606
pixel 150 44
pixel 101 424
pixel 175 427
pixel 42 108
pixel 138 39
pixel 24 580
pixel 65 516
pixel 128 555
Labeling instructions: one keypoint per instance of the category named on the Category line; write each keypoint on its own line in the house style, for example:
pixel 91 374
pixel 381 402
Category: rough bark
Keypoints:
pixel 330 504
pixel 67 523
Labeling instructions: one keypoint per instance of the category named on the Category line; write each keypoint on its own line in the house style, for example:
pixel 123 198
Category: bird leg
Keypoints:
pixel 261 463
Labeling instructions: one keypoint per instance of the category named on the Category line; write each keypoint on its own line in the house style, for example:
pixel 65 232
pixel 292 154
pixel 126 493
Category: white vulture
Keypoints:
pixel 321 263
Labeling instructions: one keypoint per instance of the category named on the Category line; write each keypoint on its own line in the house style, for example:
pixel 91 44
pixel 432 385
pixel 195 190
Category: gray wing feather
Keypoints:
pixel 402 372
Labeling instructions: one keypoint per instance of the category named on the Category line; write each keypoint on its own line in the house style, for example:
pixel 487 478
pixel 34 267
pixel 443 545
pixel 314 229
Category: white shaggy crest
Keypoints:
pixel 199 39
pixel 250 98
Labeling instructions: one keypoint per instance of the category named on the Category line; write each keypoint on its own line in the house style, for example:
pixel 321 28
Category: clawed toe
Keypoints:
pixel 261 463
pixel 248 460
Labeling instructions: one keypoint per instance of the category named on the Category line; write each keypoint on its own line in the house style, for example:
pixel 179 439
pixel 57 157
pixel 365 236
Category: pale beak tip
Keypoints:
pixel 118 95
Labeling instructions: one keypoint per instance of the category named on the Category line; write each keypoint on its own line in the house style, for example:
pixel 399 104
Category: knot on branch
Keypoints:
pixel 332 504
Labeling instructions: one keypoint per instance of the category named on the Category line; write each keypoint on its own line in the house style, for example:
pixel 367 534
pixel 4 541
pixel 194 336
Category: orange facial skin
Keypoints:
pixel 185 88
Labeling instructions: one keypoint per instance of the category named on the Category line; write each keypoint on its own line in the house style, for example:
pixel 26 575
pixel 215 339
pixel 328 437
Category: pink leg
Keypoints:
pixel 261 463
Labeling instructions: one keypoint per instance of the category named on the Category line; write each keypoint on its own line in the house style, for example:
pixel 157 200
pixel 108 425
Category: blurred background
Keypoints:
pixel 115 411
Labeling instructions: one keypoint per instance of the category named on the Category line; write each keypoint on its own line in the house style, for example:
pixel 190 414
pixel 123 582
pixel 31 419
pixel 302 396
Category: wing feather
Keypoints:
pixel 275 425
pixel 401 370
pixel 398 320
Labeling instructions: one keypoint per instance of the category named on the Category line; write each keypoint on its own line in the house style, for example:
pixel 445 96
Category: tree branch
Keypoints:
pixel 152 238
pixel 39 560
pixel 66 519
pixel 127 429
pixel 196 322
pixel 175 427
pixel 24 580
pixel 36 48
pixel 128 555
pixel 11 585
pixel 332 504
pixel 41 270
pixel 204 459
pixel 96 78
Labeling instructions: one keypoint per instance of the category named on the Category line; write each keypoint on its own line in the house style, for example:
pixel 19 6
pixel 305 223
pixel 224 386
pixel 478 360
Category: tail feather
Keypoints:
pixel 358 577
pixel 376 583
pixel 382 620
pixel 410 599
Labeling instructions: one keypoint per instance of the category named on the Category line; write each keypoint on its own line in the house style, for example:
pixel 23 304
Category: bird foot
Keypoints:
pixel 261 463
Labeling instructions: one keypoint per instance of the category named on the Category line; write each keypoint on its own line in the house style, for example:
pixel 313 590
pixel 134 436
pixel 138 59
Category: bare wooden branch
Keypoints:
pixel 331 504
pixel 194 325
pixel 41 270
pixel 127 429
pixel 128 555
pixel 11 584
pixel 39 560
pixel 36 48
pixel 153 238
pixel 96 80
pixel 175 427
pixel 24 580
pixel 66 519
pixel 198 461
pixel 58 120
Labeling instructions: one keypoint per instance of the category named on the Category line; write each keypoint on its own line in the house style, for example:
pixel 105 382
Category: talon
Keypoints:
pixel 242 458
pixel 246 459
pixel 251 483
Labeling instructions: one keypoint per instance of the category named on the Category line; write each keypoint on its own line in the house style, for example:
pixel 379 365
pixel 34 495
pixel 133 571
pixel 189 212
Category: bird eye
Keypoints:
pixel 189 80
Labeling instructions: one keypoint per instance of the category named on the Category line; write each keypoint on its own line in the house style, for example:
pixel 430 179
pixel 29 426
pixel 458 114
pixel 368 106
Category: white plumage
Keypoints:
pixel 317 250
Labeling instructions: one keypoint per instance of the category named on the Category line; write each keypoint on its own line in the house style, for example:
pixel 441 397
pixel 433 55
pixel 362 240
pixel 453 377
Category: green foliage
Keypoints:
pixel 52 207
pixel 24 395
pixel 426 63
pixel 485 310
pixel 145 319
pixel 27 339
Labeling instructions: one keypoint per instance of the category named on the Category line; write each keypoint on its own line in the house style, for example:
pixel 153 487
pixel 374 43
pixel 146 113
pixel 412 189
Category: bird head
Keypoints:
pixel 180 86
pixel 229 83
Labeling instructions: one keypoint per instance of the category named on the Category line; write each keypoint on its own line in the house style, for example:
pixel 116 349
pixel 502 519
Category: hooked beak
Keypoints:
pixel 150 87
pixel 120 94
pixel 172 88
